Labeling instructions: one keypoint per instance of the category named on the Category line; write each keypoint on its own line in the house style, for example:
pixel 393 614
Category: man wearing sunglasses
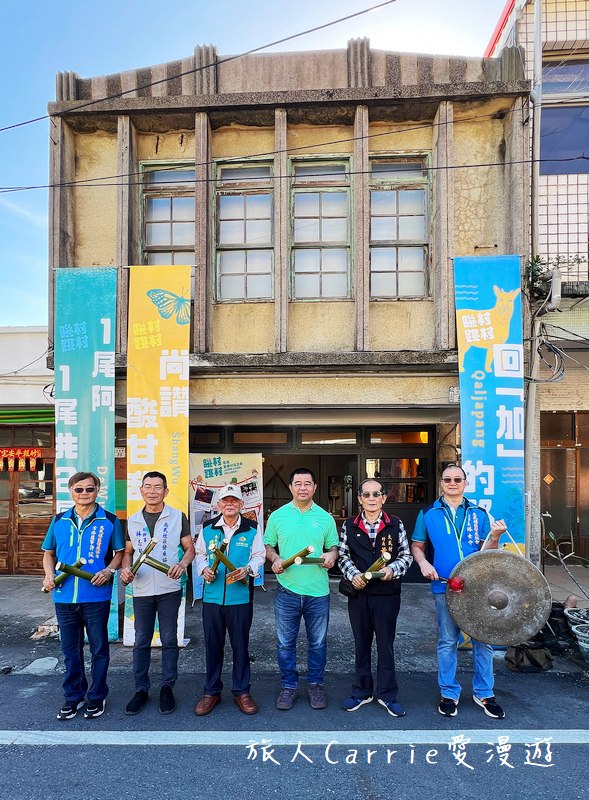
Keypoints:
pixel 374 609
pixel 455 528
pixel 87 532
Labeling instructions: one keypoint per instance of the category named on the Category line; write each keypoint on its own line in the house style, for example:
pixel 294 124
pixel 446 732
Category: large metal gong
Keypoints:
pixel 505 599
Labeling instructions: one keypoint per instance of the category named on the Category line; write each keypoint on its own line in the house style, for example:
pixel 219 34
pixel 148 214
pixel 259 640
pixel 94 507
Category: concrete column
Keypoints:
pixel 361 228
pixel 203 293
pixel 442 228
pixel 62 173
pixel 281 230
pixel 128 191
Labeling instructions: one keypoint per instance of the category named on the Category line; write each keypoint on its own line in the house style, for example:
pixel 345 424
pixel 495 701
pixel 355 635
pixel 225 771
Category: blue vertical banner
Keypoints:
pixel 84 342
pixel 490 359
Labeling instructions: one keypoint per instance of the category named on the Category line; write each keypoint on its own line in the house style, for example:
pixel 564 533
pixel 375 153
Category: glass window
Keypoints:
pixel 558 427
pixel 244 240
pixel 398 229
pixel 321 231
pixel 564 137
pixel 260 437
pixel 35 493
pixel 328 437
pixel 399 437
pixel 169 216
pixel 565 77
pixel 4 494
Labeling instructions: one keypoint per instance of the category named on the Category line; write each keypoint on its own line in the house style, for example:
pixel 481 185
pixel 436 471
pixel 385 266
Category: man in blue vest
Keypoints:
pixel 227 607
pixel 156 593
pixel 455 528
pixel 87 532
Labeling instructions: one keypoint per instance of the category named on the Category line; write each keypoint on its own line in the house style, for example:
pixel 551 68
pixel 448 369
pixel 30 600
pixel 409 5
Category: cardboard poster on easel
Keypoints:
pixel 209 472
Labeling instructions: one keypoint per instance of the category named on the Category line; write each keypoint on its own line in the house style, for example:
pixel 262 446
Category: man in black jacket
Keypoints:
pixel 374 609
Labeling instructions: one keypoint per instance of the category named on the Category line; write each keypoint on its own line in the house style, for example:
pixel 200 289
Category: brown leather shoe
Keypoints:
pixel 246 703
pixel 206 704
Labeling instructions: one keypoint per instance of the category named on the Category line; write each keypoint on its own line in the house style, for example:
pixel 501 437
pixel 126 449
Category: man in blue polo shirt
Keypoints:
pixel 455 528
pixel 302 592
pixel 88 532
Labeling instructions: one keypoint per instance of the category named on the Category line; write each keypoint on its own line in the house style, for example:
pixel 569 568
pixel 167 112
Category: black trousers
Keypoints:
pixel 217 622
pixel 374 615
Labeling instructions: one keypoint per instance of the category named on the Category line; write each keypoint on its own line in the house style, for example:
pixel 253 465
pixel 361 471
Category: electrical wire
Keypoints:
pixel 20 369
pixel 224 60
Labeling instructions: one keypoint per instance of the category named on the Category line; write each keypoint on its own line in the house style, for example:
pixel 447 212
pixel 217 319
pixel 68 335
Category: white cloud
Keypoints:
pixel 38 219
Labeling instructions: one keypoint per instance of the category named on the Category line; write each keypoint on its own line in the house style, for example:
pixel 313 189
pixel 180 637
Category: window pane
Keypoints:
pixel 306 204
pixel 557 427
pixel 171 176
pixel 411 284
pixel 306 230
pixel 231 232
pixel 259 206
pixel 334 230
pixel 157 208
pixel 307 260
pixel 324 172
pixel 399 169
pixel 232 287
pixel 157 233
pixel 411 228
pixel 183 232
pixel 383 259
pixel 569 76
pixel 411 258
pixel 383 284
pixel 306 286
pixel 231 206
pixel 334 285
pixel 334 260
pixel 42 437
pixel 328 437
pixel 383 228
pixel 154 259
pixel 183 208
pixel 412 201
pixel 383 203
pixel 260 437
pixel 399 437
pixel 259 286
pixel 565 133
pixel 255 173
pixel 232 261
pixel 258 231
pixel 259 261
pixel 334 204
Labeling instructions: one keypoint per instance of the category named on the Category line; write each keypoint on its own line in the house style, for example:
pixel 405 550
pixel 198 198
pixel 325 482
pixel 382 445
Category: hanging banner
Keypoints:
pixel 490 359
pixel 209 472
pixel 158 390
pixel 84 352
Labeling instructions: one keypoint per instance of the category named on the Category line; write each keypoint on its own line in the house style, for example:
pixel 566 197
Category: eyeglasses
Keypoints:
pixel 85 489
pixel 453 480
pixel 372 494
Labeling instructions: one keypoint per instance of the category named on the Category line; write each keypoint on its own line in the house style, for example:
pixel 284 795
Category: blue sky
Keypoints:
pixel 42 38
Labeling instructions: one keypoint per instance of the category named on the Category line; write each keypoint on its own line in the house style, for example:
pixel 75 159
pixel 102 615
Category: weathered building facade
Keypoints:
pixel 321 197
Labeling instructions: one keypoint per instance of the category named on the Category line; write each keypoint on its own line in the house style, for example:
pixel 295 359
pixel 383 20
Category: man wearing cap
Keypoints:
pixel 227 607
pixel 302 592
pixel 88 532
pixel 154 592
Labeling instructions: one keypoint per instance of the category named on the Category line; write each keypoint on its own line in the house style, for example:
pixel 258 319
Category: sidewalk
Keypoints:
pixel 23 608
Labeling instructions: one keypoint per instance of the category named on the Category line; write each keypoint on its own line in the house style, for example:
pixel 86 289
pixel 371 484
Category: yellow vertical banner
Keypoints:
pixel 158 396
pixel 158 381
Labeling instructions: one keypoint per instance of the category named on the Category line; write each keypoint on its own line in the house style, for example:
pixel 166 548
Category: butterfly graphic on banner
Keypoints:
pixel 168 304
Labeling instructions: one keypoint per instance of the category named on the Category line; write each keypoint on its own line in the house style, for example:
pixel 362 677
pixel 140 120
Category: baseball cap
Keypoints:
pixel 229 491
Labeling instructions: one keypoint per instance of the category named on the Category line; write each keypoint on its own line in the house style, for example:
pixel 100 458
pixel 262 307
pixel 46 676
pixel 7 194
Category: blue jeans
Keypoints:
pixel 289 608
pixel 448 633
pixel 72 619
pixel 145 608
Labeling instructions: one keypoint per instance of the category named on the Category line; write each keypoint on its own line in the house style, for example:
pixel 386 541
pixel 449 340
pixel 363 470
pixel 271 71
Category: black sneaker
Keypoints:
pixel 69 709
pixel 136 703
pixel 394 709
pixel 167 702
pixel 95 709
pixel 490 706
pixel 448 707
pixel 354 703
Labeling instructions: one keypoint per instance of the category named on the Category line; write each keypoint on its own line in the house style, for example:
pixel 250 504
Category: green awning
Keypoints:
pixel 27 416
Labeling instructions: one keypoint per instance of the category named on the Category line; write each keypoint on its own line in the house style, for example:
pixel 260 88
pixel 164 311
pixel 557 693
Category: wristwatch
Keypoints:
pixel 249 571
pixel 111 570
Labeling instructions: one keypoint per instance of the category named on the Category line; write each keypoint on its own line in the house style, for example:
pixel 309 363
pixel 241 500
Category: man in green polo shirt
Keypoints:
pixel 302 591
